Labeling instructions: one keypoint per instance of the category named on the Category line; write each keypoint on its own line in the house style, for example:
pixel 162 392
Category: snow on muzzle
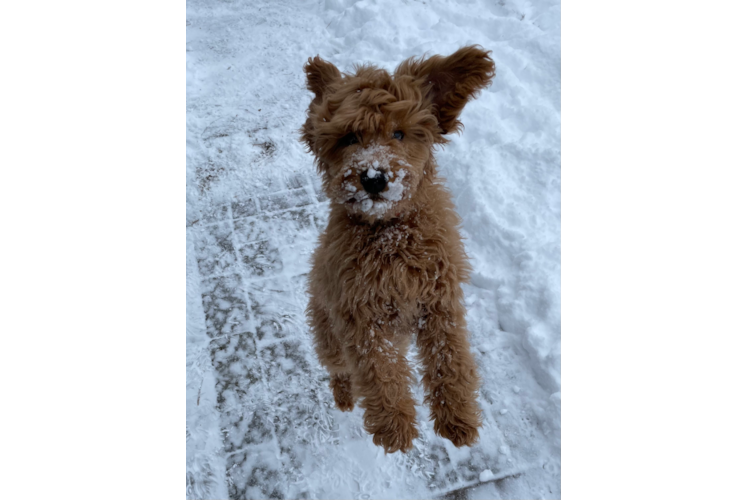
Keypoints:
pixel 382 185
pixel 374 181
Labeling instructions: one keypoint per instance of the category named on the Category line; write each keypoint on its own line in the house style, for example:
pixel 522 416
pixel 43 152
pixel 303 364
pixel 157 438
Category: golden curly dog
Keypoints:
pixel 390 263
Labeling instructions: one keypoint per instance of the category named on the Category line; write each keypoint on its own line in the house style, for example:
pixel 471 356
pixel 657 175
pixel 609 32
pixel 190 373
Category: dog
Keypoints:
pixel 390 263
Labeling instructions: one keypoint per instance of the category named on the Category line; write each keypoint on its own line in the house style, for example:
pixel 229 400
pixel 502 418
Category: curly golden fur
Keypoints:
pixel 390 263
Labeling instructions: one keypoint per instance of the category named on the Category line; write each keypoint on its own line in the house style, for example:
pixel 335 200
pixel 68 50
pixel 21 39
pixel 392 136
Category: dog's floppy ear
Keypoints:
pixel 449 82
pixel 319 75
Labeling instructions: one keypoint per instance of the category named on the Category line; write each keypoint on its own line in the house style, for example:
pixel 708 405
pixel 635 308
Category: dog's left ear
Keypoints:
pixel 319 75
pixel 450 82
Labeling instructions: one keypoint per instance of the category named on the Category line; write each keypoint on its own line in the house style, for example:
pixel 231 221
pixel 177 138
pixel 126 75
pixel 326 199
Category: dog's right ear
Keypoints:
pixel 450 82
pixel 319 75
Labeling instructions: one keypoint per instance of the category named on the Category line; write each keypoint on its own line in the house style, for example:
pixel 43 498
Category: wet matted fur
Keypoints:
pixel 390 263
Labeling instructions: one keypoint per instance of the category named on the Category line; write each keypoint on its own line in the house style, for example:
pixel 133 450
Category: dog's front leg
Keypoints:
pixel 383 378
pixel 450 377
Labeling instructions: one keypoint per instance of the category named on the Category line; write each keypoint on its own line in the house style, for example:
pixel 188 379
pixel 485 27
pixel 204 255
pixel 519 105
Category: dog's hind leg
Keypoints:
pixel 450 377
pixel 330 354
pixel 340 383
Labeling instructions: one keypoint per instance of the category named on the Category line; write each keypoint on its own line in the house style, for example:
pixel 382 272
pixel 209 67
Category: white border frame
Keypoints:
pixel 568 347
pixel 589 12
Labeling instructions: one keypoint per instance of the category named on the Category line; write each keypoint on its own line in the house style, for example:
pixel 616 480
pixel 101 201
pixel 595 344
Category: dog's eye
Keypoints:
pixel 398 135
pixel 349 140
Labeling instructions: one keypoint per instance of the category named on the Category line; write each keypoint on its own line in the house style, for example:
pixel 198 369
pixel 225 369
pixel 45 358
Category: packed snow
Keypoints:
pixel 261 421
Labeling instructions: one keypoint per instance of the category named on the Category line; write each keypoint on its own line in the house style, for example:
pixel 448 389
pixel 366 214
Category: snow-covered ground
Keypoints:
pixel 261 422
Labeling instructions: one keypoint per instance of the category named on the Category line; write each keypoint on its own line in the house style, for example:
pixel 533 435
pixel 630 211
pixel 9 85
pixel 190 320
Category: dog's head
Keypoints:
pixel 372 133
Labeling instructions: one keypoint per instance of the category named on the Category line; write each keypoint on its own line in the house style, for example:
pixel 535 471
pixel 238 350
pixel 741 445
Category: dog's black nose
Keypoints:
pixel 375 184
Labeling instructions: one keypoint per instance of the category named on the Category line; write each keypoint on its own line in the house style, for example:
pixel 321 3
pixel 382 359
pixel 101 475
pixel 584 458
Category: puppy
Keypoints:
pixel 390 263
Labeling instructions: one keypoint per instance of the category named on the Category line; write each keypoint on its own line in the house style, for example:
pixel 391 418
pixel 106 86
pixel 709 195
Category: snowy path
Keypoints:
pixel 261 420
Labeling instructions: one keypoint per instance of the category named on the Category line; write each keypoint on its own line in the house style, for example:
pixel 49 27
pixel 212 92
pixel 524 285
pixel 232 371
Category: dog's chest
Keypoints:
pixel 394 261
pixel 385 244
pixel 388 241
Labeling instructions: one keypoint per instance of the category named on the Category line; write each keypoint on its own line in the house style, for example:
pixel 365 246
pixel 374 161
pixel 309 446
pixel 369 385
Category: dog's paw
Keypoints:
pixel 343 400
pixel 396 433
pixel 341 392
pixel 456 415
pixel 460 427
pixel 459 432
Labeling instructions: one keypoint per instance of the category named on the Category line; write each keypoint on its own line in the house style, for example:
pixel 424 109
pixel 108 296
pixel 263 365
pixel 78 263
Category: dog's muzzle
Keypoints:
pixel 373 181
